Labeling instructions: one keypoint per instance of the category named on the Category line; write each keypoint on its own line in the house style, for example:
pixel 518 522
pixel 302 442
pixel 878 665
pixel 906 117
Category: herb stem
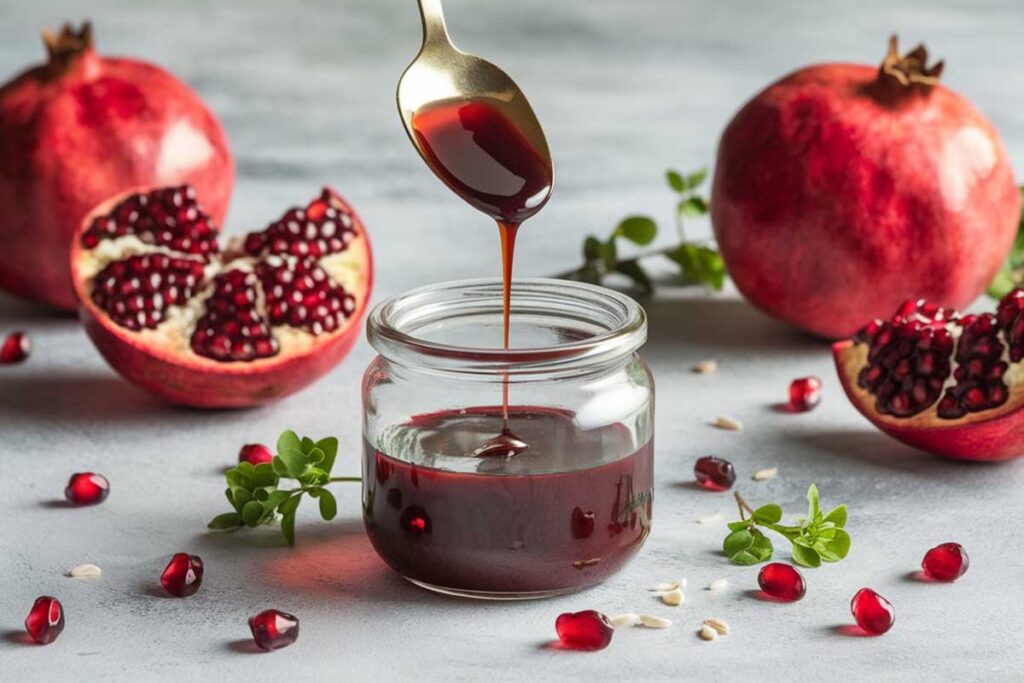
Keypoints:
pixel 743 504
pixel 666 252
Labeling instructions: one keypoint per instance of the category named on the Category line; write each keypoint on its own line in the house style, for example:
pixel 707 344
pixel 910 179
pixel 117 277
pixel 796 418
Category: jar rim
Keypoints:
pixel 619 322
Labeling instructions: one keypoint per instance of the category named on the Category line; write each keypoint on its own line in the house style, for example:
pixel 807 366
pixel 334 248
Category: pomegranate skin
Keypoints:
pixel 839 193
pixel 988 437
pixel 81 128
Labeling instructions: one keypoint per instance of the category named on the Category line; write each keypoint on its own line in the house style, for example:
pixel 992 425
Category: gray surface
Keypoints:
pixel 624 89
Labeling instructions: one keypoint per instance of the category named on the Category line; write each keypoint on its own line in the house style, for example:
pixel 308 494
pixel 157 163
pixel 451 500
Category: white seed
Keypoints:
pixel 709 519
pixel 670 585
pixel 765 474
pixel 727 423
pixel 651 621
pixel 718 584
pixel 705 367
pixel 708 633
pixel 673 598
pixel 85 571
pixel 719 625
pixel 628 619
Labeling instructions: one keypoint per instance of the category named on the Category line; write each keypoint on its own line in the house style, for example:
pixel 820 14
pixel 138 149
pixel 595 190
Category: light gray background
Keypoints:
pixel 624 90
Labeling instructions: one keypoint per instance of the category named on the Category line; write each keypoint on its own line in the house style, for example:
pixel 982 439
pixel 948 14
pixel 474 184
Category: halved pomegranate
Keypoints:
pixel 206 327
pixel 942 381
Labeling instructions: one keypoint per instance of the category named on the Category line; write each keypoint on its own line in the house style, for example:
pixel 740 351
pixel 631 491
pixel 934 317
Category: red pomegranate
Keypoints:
pixel 82 128
pixel 842 190
pixel 942 381
pixel 206 327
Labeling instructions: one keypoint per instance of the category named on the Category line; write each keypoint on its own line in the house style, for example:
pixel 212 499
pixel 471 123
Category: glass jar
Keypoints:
pixel 563 514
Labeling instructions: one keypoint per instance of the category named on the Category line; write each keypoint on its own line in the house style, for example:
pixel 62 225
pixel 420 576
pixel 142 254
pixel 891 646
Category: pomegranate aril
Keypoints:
pixel 804 394
pixel 415 521
pixel 714 474
pixel 582 523
pixel 273 629
pixel 300 294
pixel 87 488
pixel 183 575
pixel 872 612
pixel 255 454
pixel 15 348
pixel 946 562
pixel 979 384
pixel 137 292
pixel 588 630
pixel 782 582
pixel 324 227
pixel 220 335
pixel 45 620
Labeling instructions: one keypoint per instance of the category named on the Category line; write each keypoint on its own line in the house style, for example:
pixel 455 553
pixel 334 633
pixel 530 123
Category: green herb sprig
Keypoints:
pixel 1012 273
pixel 817 538
pixel 255 491
pixel 698 262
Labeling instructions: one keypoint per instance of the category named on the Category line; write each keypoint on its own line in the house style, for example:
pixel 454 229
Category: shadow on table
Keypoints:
pixel 18 313
pixel 56 398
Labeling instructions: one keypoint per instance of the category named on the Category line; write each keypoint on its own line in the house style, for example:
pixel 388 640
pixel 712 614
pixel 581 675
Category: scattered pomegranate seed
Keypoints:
pixel 582 523
pixel 873 613
pixel 15 348
pixel 183 575
pixel 804 394
pixel 714 474
pixel 273 629
pixel 415 521
pixel 255 454
pixel 87 488
pixel 946 562
pixel 45 620
pixel 782 581
pixel 588 630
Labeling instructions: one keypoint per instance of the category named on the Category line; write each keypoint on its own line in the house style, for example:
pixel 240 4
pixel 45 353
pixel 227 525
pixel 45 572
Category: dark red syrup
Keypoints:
pixel 565 514
pixel 484 158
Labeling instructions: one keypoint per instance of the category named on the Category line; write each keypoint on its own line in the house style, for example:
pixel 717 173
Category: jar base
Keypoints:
pixel 497 595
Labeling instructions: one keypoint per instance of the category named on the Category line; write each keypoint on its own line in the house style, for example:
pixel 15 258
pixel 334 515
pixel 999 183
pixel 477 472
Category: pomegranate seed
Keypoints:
pixel 15 348
pixel 588 630
pixel 582 523
pixel 183 575
pixel 804 394
pixel 416 521
pixel 45 620
pixel 946 562
pixel 87 488
pixel 273 629
pixel 714 474
pixel 873 613
pixel 782 581
pixel 255 454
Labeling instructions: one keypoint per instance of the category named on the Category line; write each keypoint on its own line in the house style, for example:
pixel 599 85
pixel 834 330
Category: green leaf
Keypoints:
pixel 696 178
pixel 737 542
pixel 252 513
pixel 314 456
pixel 635 272
pixel 640 230
pixel 837 516
pixel 591 248
pixel 609 254
pixel 329 446
pixel 328 505
pixel 239 498
pixel 263 475
pixel 279 466
pixel 288 527
pixel 243 468
pixel 813 502
pixel 736 526
pixel 808 557
pixel 314 476
pixel 675 181
pixel 836 549
pixel 289 506
pixel 1012 273
pixel 307 444
pixel 274 501
pixel 692 206
pixel 226 521
pixel 295 462
pixel 699 265
pixel 768 514
pixel 759 550
pixel 289 443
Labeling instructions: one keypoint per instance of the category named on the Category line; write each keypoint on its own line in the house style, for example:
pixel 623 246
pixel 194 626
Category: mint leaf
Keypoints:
pixel 675 181
pixel 695 179
pixel 808 557
pixel 837 516
pixel 252 513
pixel 329 446
pixel 768 514
pixel 289 444
pixel 737 542
pixel 288 527
pixel 1011 275
pixel 640 230
pixel 699 265
pixel 692 206
pixel 635 272
pixel 328 505
pixel 225 522
pixel 813 503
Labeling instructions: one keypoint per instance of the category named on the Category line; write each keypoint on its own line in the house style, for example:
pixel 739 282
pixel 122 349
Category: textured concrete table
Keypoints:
pixel 625 89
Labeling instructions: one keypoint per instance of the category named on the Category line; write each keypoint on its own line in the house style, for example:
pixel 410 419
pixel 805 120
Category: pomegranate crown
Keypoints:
pixel 910 70
pixel 64 47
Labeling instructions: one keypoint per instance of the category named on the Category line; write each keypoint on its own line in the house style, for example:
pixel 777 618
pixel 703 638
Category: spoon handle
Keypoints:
pixel 434 30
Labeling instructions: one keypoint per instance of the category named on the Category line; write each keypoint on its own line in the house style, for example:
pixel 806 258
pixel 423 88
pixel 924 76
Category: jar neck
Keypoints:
pixel 557 327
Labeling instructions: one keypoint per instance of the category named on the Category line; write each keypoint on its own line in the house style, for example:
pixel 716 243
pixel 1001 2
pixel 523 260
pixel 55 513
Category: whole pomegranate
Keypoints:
pixel 82 128
pixel 842 190
pixel 940 380
pixel 216 327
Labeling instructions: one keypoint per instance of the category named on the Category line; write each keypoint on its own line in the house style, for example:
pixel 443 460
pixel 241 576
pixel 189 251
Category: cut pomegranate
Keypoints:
pixel 87 488
pixel 273 629
pixel 207 327
pixel 942 381
pixel 15 348
pixel 804 394
pixel 255 454
pixel 873 613
pixel 782 582
pixel 714 474
pixel 946 562
pixel 588 630
pixel 183 575
pixel 45 620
